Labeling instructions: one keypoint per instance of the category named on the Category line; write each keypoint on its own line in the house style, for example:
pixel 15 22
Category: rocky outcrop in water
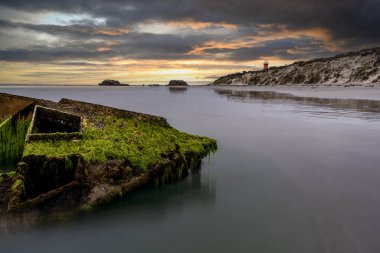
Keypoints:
pixel 112 83
pixel 354 68
pixel 177 83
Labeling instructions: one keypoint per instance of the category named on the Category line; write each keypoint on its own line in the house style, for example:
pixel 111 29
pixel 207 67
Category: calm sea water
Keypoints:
pixel 292 174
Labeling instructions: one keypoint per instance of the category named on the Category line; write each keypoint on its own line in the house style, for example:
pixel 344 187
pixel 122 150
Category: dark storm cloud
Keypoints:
pixel 344 18
pixel 45 55
pixel 76 42
pixel 155 46
pixel 289 49
pixel 75 31
pixel 134 46
pixel 356 22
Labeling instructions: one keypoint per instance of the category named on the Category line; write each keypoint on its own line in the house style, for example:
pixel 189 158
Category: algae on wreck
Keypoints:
pixel 143 143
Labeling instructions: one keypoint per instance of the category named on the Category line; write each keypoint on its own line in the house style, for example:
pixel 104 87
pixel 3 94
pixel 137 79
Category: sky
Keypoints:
pixel 153 41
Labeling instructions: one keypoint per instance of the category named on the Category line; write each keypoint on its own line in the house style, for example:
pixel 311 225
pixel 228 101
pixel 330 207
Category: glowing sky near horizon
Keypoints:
pixel 75 42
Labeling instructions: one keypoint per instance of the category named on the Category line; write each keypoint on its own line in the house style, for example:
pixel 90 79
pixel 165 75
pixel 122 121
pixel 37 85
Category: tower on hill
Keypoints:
pixel 266 65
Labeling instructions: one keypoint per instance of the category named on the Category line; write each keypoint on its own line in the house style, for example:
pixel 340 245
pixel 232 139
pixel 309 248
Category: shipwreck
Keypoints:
pixel 73 156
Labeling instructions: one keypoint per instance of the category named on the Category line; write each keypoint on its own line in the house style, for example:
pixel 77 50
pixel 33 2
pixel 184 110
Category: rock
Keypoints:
pixel 177 83
pixel 108 82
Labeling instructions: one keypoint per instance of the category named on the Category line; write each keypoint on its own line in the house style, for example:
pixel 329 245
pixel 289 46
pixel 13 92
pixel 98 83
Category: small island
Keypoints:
pixel 177 83
pixel 109 82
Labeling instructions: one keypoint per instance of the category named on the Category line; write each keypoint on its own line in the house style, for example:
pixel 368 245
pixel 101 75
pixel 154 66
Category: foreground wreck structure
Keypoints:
pixel 73 156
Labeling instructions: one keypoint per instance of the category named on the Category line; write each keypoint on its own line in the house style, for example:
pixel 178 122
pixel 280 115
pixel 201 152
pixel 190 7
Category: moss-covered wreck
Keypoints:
pixel 76 156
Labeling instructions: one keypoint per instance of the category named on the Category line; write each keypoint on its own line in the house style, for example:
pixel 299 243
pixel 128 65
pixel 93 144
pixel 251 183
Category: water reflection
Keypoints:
pixel 177 89
pixel 284 183
pixel 321 107
pixel 196 189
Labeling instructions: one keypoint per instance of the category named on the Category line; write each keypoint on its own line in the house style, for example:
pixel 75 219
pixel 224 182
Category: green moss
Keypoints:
pixel 68 163
pixel 140 142
pixel 128 171
pixel 18 185
pixel 12 140
pixel 11 174
pixel 86 208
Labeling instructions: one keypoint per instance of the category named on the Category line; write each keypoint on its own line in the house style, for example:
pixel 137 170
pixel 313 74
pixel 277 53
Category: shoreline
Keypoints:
pixel 352 92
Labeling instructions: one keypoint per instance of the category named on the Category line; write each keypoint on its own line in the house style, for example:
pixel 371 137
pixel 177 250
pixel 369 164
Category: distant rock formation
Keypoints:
pixel 108 82
pixel 354 68
pixel 177 83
